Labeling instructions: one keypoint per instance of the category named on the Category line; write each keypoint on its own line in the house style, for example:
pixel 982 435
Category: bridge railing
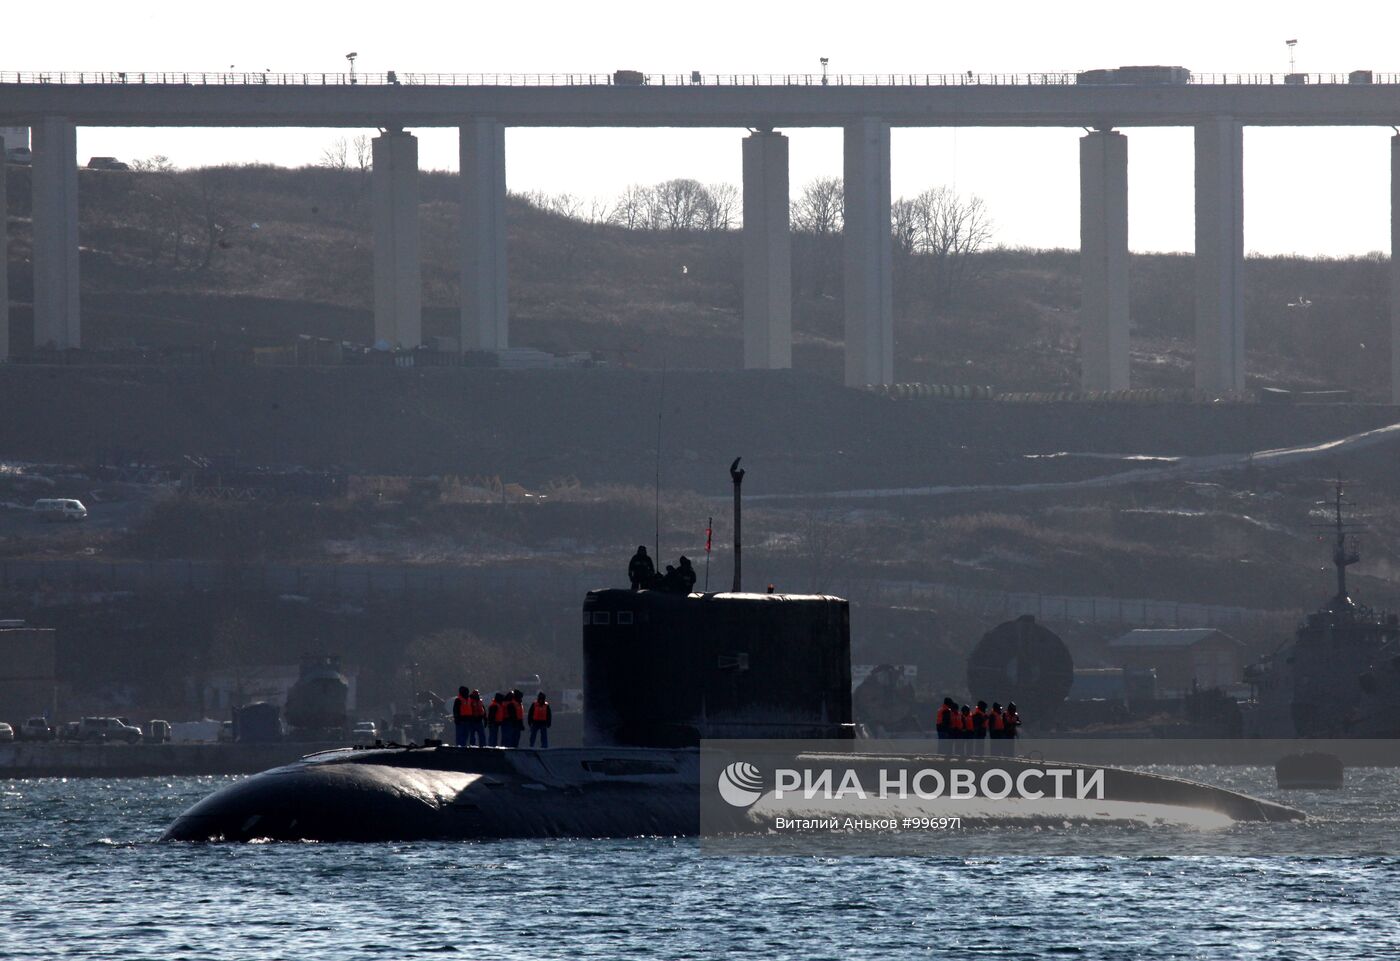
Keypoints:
pixel 394 78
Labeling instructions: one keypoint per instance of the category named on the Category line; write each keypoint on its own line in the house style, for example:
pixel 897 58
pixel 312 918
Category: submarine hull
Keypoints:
pixel 475 794
pixel 454 794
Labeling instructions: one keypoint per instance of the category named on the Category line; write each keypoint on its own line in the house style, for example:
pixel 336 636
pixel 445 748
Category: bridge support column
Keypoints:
pixel 767 253
pixel 1220 255
pixel 869 298
pixel 1395 269
pixel 484 318
pixel 55 212
pixel 1103 258
pixel 398 277
pixel 4 260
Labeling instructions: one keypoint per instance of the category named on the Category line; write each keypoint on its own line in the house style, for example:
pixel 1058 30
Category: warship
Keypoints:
pixel 1339 677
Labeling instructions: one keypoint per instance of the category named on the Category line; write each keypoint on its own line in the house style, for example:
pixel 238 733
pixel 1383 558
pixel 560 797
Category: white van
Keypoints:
pixel 60 509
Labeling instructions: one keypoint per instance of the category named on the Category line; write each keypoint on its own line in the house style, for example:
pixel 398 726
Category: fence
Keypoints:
pixel 395 78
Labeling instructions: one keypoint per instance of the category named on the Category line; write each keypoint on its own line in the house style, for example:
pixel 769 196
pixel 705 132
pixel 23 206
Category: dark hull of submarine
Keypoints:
pixel 661 672
pixel 449 793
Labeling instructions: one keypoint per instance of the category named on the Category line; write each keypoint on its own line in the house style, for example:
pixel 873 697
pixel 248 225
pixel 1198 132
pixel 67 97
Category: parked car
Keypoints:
pixel 106 163
pixel 365 729
pixel 67 731
pixel 60 509
pixel 35 729
pixel 158 732
pixel 108 729
pixel 7 733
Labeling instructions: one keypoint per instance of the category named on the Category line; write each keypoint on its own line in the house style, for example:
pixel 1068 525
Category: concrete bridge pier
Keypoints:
pixel 767 253
pixel 1220 255
pixel 485 323
pixel 1103 257
pixel 1395 269
pixel 4 260
pixel 55 212
pixel 867 247
pixel 398 277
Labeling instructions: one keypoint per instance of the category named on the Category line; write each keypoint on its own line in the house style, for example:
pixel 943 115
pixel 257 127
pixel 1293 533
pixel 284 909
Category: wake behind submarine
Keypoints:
pixel 662 671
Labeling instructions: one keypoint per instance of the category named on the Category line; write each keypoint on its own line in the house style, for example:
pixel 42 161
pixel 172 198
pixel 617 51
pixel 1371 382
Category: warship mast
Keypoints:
pixel 1342 556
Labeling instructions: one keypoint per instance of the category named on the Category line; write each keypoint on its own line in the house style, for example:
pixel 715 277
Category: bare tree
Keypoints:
pixel 818 215
pixel 721 207
pixel 157 163
pixel 678 204
pixel 364 153
pixel 947 228
pixel 908 225
pixel 632 209
pixel 819 209
pixel 336 156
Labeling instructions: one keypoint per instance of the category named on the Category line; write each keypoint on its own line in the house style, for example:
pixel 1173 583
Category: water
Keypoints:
pixel 84 878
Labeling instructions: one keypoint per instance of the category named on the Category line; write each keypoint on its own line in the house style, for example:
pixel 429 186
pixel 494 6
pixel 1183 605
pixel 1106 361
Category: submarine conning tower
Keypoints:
pixel 665 670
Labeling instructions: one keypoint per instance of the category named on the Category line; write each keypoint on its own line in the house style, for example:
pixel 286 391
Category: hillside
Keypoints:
pixel 257 255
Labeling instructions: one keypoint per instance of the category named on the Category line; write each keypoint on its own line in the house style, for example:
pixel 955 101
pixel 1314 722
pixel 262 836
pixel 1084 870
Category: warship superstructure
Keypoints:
pixel 1338 677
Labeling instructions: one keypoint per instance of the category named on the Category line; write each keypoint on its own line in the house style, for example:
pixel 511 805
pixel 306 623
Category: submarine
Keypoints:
pixel 663 671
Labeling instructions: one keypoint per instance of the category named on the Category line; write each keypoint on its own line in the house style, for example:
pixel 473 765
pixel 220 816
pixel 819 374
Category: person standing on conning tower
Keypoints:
pixel 640 570
pixel 686 575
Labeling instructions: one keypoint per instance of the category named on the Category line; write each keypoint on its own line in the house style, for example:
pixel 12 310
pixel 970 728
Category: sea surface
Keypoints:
pixel 82 876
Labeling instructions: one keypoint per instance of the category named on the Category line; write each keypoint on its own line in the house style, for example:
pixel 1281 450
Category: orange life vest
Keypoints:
pixel 513 711
pixel 474 708
pixel 1013 721
pixel 459 707
pixel 539 713
pixel 495 713
pixel 941 719
pixel 959 721
pixel 978 720
pixel 998 721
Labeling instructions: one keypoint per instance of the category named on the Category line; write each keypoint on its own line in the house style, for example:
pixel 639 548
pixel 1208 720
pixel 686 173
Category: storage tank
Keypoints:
pixel 317 701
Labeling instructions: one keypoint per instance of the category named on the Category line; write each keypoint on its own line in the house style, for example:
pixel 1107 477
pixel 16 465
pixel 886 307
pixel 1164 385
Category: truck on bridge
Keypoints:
pixel 1135 75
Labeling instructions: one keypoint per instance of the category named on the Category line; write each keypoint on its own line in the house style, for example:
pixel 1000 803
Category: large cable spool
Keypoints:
pixel 1021 661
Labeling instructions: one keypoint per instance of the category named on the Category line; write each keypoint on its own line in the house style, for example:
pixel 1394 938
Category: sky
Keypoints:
pixel 1322 191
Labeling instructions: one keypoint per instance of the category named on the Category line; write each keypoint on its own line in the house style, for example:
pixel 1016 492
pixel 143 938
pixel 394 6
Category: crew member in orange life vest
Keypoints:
pixel 996 729
pixel 476 716
pixel 540 717
pixel 1013 726
pixel 512 719
pixel 962 730
pixel 943 723
pixel 979 728
pixel 495 713
pixel 459 716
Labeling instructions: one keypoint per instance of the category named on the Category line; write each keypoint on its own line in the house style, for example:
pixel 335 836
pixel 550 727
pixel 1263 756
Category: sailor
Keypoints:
pixel 671 580
pixel 943 724
pixel 962 730
pixel 979 728
pixel 640 570
pixel 459 715
pixel 686 574
pixel 512 719
pixel 495 712
pixel 541 716
pixel 996 729
pixel 1013 726
pixel 476 715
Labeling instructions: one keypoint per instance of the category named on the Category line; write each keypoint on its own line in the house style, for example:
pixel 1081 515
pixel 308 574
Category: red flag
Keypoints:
pixel 708 532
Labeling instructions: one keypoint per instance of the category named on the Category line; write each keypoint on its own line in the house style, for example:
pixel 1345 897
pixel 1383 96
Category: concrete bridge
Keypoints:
pixel 1216 106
